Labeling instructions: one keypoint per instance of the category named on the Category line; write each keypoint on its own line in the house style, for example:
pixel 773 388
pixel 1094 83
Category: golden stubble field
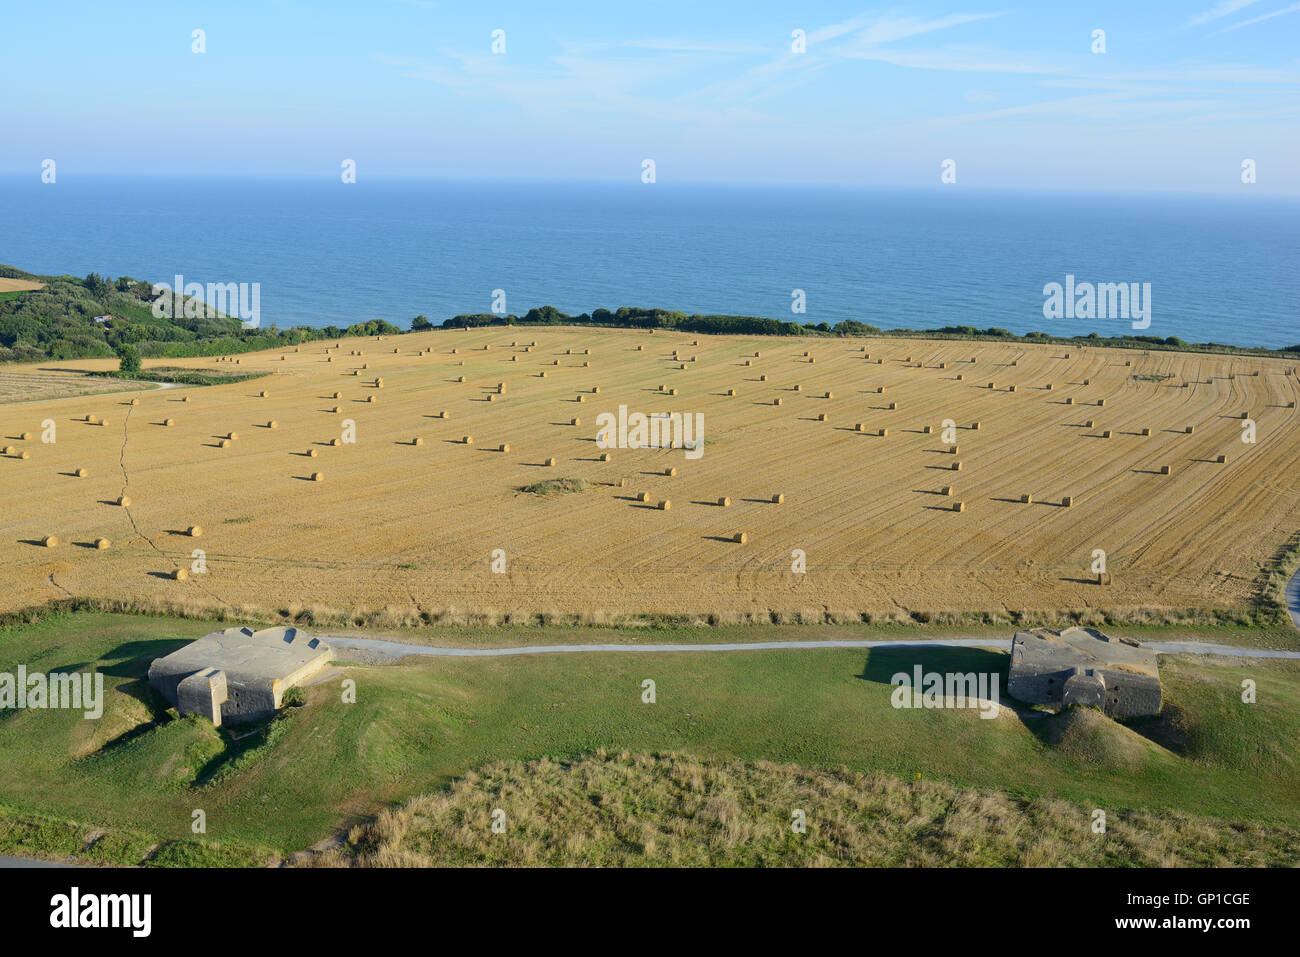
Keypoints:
pixel 412 528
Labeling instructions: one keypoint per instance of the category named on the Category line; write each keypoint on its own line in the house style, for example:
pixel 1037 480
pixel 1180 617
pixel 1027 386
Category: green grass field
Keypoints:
pixel 421 725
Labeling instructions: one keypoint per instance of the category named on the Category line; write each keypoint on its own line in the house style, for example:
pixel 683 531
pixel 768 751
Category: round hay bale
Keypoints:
pixel 672 391
pixel 1221 459
pixel 505 447
pixel 335 409
pixel 550 463
pixel 25 436
pixel 724 501
pixel 762 378
pixel 232 436
pixel 1069 400
pixel 581 397
pixel 1089 423
pixel 10 450
pixel 1101 402
pixel 954 450
pixel 605 456
pixel 81 473
pixel 740 538
pixel 379 383
pixel 24 454
pixel 312 453
pixel 961 377
pixel 185 398
pixel 102 543
pixel 103 422
pixel 180 575
pixel 731 392
pixel 884 433
pixel 778 499
pixel 797 387
pixel 821 416
pixel 927 429
pixel 956 466
pixel 168 423
pixel 777 400
pixel 336 442
pixel 595 390
pixel 542 374
pixel 194 531
pixel 444 414
pixel 575 421
pixel 893 407
pixel 830 395
pixel 587 365
pixel 467 440
pixel 1011 388
pixel 1067 501
pixel 643 496
pixel 491 396
pixel 975 426
pixel 124 501
pixel 1165 470
pixel 748 362
pixel 273 424
pixel 959 506
pixel 50 541
pixel 1027 499
pixel 670 471
pixel 262 394
pixel 946 490
pixel 460 378
pixel 665 505
pixel 317 477
pixel 372 398
pixel 135 402
pixel 1146 431
pixel 417 441
pixel 860 427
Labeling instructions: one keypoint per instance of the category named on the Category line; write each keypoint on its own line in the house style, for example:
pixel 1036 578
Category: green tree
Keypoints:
pixel 421 324
pixel 129 357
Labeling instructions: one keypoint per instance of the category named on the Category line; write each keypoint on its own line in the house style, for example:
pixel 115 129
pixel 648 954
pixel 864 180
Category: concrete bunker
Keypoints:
pixel 1086 667
pixel 237 674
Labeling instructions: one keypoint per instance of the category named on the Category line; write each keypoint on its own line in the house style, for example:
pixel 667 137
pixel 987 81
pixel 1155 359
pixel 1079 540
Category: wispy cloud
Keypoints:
pixel 1295 7
pixel 1218 11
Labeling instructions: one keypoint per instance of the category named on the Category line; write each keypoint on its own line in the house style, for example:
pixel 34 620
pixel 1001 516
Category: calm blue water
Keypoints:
pixel 1225 269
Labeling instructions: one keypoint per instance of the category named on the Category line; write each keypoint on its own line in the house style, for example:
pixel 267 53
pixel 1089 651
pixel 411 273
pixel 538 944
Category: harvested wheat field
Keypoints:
pixel 19 285
pixel 896 512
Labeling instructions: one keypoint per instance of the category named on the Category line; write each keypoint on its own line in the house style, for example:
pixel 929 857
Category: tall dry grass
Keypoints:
pixel 675 810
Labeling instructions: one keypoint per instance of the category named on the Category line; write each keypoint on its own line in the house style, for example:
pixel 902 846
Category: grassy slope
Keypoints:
pixel 418 726
pixel 672 809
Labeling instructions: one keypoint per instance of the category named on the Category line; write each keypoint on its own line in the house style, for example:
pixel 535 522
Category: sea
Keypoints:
pixel 1221 268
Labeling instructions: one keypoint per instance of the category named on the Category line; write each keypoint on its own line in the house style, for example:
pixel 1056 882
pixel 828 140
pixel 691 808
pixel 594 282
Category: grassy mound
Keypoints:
pixel 1092 738
pixel 630 809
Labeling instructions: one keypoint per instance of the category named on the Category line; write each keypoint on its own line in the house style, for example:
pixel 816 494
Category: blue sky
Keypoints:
pixel 710 91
